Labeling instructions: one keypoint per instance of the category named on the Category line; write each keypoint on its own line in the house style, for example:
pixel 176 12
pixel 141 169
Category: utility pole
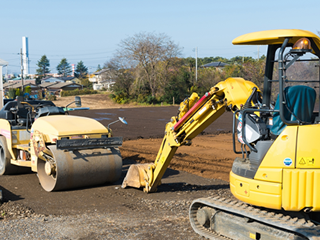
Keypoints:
pixel 196 64
pixel 21 70
pixel 258 52
pixel 2 63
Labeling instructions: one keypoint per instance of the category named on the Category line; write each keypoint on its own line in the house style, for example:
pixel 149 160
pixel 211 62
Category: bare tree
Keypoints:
pixel 147 51
pixel 121 74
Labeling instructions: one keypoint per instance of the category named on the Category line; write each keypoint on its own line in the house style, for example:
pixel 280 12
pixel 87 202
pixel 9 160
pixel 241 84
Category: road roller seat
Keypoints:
pixel 5 112
pixel 21 111
pixel 50 110
pixel 300 101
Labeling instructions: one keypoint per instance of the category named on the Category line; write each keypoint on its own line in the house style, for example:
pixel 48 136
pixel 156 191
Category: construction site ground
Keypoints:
pixel 110 212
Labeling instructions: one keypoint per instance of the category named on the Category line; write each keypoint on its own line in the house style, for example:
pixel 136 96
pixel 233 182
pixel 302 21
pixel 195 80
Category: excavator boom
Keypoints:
pixel 230 94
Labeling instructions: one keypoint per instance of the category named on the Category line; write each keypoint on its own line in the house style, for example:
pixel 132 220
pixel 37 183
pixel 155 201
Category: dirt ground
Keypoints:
pixel 196 171
pixel 94 101
pixel 210 155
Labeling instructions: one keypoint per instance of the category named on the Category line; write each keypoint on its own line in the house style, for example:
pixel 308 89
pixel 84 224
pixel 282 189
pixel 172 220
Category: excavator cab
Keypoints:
pixel 293 112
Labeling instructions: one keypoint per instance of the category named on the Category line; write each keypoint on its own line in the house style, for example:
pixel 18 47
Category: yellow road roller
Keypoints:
pixel 66 151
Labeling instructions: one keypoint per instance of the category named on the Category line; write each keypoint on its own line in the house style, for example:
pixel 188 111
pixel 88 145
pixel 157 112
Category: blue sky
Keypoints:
pixel 91 30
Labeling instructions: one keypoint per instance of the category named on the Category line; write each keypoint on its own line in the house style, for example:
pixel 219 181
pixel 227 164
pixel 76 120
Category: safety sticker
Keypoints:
pixel 287 162
pixel 240 139
pixel 240 117
pixel 5 133
pixel 302 161
pixel 240 126
pixel 308 161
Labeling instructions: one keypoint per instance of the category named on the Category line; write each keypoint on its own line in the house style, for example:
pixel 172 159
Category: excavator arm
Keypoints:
pixel 195 115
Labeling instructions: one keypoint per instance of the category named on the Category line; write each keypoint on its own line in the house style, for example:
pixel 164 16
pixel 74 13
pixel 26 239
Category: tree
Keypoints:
pixel 81 70
pixel 146 51
pixel 43 65
pixel 64 68
pixel 177 86
pixel 99 68
pixel 122 77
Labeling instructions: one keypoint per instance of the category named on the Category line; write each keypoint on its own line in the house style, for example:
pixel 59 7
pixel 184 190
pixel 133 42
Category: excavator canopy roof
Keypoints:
pixel 271 37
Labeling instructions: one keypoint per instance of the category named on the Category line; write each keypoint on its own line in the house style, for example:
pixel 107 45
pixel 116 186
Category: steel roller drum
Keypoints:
pixel 80 168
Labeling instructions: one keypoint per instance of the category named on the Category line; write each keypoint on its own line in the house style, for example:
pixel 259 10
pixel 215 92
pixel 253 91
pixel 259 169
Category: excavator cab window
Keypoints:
pixel 294 105
pixel 300 101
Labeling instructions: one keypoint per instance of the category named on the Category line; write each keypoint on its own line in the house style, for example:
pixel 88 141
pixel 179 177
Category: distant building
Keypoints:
pixel 215 64
pixel 51 80
pixel 53 75
pixel 102 79
pixel 57 88
pixel 61 79
pixel 47 84
pixel 18 84
pixel 66 86
pixel 53 85
pixel 71 79
pixel 25 81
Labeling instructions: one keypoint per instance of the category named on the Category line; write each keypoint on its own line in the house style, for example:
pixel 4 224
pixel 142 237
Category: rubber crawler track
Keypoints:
pixel 301 226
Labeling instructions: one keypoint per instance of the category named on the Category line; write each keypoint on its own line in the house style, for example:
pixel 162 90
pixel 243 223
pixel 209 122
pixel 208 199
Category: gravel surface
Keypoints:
pixel 108 211
pixel 141 218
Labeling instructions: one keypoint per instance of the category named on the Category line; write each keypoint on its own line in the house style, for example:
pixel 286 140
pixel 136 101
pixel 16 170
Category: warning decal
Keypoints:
pixel 302 161
pixel 306 161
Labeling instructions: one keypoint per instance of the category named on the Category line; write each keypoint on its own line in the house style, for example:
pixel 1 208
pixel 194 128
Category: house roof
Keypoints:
pixel 47 84
pixel 67 78
pixel 215 64
pixel 65 84
pixel 51 79
pixel 19 84
pixel 8 84
pixel 101 71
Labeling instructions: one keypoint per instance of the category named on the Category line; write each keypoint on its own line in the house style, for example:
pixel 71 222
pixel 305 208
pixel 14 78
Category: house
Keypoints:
pixel 58 87
pixel 8 85
pixel 215 64
pixel 51 80
pixel 25 81
pixel 53 75
pixel 47 84
pixel 71 79
pixel 66 86
pixel 18 84
pixel 102 79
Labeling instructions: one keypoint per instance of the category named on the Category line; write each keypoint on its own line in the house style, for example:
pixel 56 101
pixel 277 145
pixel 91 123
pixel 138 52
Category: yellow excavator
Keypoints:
pixel 276 177
pixel 66 151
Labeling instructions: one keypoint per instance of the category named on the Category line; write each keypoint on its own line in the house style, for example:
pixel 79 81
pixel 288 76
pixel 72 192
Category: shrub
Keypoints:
pixel 12 93
pixel 52 97
pixel 76 92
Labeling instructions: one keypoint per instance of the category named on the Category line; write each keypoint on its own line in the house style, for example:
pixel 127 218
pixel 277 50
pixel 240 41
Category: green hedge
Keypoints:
pixel 76 92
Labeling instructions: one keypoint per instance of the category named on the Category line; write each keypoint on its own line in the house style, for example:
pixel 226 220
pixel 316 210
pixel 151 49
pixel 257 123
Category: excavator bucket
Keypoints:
pixel 138 175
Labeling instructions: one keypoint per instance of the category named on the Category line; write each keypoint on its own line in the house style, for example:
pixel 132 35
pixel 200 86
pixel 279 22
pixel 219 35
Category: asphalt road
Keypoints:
pixel 147 122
